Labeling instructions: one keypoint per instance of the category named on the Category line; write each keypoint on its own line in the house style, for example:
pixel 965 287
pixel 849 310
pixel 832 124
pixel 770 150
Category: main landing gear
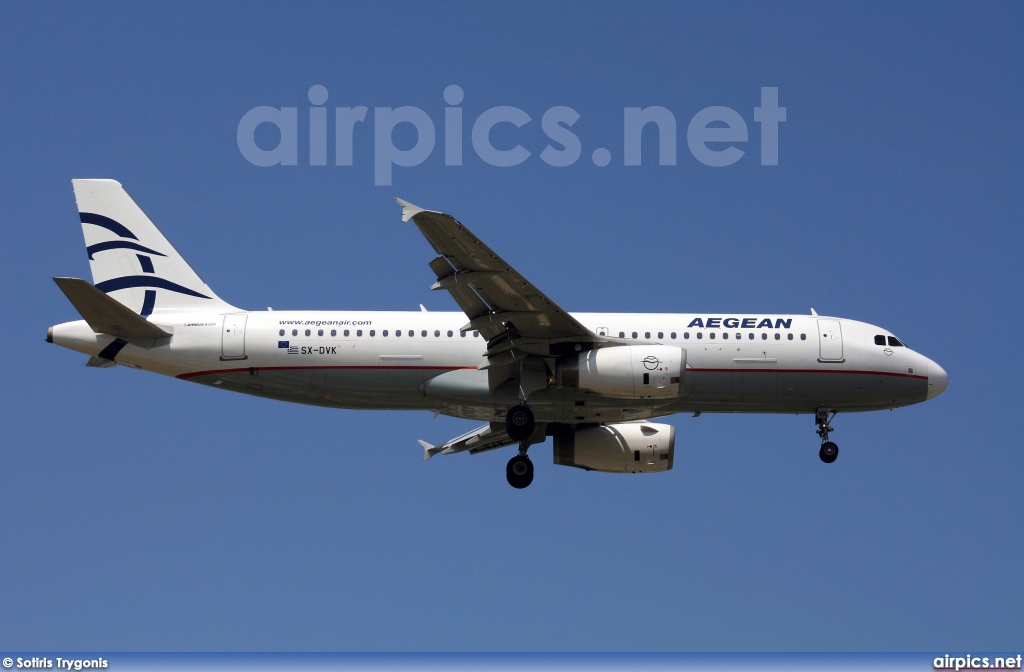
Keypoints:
pixel 829 451
pixel 519 424
pixel 519 471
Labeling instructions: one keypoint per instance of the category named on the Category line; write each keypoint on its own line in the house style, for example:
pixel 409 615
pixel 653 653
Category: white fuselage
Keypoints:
pixel 387 360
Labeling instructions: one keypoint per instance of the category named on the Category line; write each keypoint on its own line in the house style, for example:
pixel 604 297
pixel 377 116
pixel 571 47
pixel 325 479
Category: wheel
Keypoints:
pixel 519 472
pixel 829 452
pixel 519 423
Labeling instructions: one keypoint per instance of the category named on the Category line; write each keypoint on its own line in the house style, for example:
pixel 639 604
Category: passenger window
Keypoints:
pixel 622 334
pixel 661 335
pixel 437 333
pixel 320 332
pixel 413 333
pixel 476 334
pixel 895 342
pixel 751 334
pixel 725 335
pixel 307 332
pixel 673 335
pixel 778 337
pixel 700 334
pixel 281 332
pixel 879 340
pixel 803 337
pixel 449 333
pixel 686 335
pixel 346 332
pixel 462 334
pixel 383 333
pixel 647 334
pixel 634 334
pixel 424 333
pixel 789 336
pixel 359 332
pixel 711 335
pixel 373 332
pixel 764 336
pixel 739 337
pixel 334 332
pixel 295 332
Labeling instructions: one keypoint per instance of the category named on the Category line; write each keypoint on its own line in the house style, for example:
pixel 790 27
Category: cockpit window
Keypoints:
pixel 895 342
pixel 880 340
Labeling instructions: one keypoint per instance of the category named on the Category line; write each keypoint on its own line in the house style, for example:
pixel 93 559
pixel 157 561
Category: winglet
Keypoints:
pixel 429 450
pixel 814 312
pixel 408 209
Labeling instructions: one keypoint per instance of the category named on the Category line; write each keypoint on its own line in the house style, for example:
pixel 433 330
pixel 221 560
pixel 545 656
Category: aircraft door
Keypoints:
pixel 233 337
pixel 830 341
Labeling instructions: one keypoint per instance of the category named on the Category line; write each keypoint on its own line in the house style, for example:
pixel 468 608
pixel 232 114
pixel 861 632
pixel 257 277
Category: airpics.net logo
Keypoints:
pixel 713 135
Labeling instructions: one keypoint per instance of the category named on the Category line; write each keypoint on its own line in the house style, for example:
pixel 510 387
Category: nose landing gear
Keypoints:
pixel 829 451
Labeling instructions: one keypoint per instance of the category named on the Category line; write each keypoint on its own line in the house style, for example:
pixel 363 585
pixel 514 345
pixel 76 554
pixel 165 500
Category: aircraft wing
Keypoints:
pixel 515 317
pixel 488 437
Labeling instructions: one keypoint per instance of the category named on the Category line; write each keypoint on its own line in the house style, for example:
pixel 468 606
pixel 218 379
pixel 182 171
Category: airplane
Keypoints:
pixel 512 359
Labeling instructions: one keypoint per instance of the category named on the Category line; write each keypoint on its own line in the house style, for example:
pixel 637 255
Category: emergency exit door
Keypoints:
pixel 233 337
pixel 830 341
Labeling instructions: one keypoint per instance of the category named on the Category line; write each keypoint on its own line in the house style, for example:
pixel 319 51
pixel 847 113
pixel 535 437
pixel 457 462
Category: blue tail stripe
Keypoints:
pixel 115 244
pixel 107 223
pixel 148 303
pixel 111 350
pixel 127 281
pixel 146 263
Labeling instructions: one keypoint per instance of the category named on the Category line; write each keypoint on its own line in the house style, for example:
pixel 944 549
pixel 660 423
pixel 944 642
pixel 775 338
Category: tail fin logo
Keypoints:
pixel 145 262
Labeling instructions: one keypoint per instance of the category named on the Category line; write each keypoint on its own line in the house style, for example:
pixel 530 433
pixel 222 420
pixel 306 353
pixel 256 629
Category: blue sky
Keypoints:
pixel 144 513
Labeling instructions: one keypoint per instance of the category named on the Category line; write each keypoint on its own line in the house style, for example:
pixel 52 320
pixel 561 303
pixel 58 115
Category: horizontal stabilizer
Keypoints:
pixel 100 363
pixel 106 315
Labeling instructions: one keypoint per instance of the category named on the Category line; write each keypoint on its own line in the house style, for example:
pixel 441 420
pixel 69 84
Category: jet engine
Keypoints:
pixel 625 372
pixel 625 448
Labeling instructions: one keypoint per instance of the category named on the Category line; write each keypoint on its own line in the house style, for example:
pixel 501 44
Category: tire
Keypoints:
pixel 519 472
pixel 829 452
pixel 519 423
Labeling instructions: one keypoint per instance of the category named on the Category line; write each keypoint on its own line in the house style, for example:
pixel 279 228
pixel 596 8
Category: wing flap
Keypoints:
pixel 484 438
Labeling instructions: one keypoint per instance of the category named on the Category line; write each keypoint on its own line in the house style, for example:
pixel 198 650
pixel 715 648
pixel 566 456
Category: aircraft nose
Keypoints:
pixel 937 379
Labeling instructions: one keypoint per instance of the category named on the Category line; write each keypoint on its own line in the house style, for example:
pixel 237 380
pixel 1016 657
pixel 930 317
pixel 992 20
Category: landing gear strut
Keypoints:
pixel 519 471
pixel 829 450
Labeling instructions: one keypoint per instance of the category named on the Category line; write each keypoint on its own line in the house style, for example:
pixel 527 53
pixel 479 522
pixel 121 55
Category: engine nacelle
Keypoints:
pixel 624 448
pixel 626 372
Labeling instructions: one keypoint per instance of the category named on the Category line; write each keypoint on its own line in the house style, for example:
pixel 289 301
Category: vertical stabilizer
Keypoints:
pixel 131 261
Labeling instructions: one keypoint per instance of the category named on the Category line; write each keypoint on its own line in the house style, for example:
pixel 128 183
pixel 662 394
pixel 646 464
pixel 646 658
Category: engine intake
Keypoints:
pixel 625 448
pixel 625 372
